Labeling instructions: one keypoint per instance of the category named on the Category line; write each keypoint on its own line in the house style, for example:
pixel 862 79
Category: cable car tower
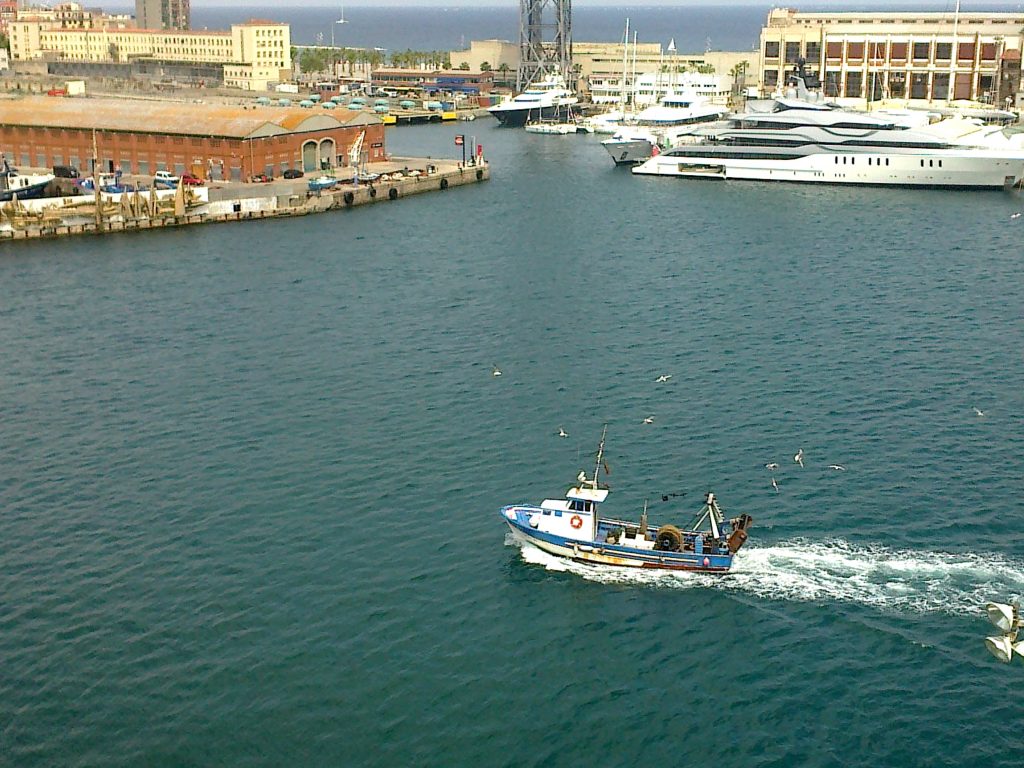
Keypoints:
pixel 545 41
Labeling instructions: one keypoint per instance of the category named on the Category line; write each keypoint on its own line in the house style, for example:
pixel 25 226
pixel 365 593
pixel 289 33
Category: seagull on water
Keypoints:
pixel 496 371
pixel 775 485
pixel 562 432
pixel 771 465
pixel 649 420
pixel 799 458
pixel 979 411
pixel 837 467
pixel 663 378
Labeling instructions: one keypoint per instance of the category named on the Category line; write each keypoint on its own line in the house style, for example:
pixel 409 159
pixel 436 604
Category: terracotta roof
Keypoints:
pixel 1011 55
pixel 163 117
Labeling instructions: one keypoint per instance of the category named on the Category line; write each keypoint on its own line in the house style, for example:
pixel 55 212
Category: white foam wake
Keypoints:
pixel 906 581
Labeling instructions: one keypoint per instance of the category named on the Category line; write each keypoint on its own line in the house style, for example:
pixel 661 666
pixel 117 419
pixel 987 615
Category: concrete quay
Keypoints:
pixel 280 198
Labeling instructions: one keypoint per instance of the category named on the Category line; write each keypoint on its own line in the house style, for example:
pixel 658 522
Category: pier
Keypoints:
pixel 228 204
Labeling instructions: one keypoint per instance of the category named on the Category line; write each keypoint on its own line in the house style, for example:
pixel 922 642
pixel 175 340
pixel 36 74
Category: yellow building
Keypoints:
pixel 253 55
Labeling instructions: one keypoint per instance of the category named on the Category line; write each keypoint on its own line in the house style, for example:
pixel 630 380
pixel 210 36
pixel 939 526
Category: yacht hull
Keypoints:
pixel 953 170
pixel 628 151
pixel 517 118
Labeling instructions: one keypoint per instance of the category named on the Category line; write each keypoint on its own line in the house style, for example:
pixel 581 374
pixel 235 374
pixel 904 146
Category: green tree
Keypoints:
pixel 485 66
pixel 464 66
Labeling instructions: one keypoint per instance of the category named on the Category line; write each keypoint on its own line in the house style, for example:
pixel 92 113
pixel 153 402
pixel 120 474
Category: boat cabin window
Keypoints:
pixel 578 505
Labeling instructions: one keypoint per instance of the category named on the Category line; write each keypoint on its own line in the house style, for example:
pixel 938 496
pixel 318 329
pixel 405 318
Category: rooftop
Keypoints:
pixel 173 118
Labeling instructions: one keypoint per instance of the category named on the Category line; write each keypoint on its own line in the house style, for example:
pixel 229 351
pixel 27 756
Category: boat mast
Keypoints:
pixel 625 54
pixel 953 56
pixel 600 455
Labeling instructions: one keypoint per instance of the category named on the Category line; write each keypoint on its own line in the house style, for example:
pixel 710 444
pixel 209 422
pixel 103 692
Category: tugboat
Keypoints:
pixel 572 528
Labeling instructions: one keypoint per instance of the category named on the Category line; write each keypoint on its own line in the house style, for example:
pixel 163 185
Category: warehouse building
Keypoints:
pixel 212 142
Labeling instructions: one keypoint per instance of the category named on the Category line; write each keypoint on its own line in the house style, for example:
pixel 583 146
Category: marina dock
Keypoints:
pixel 399 178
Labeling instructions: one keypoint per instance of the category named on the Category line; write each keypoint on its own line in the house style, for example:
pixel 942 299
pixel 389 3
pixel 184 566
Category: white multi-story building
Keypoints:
pixel 903 55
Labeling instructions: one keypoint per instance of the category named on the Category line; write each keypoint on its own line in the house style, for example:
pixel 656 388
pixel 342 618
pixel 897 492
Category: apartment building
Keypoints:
pixel 162 14
pixel 253 56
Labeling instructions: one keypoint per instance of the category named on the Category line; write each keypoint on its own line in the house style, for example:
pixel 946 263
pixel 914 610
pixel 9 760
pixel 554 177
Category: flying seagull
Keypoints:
pixel 649 420
pixel 663 378
pixel 1015 215
pixel 799 458
pixel 775 485
pixel 496 371
pixel 771 465
pixel 562 432
pixel 837 467
pixel 979 411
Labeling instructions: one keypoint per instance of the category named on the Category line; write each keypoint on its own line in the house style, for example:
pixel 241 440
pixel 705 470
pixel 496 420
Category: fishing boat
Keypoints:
pixel 322 182
pixel 25 186
pixel 573 528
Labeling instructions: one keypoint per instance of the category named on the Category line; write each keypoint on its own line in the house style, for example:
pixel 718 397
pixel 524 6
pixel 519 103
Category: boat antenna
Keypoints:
pixel 600 455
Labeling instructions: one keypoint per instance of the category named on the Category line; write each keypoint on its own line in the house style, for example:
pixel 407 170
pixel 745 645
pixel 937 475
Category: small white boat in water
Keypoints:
pixel 572 528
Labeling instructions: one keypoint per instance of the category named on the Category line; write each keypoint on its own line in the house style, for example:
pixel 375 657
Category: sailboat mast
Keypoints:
pixel 625 54
pixel 953 56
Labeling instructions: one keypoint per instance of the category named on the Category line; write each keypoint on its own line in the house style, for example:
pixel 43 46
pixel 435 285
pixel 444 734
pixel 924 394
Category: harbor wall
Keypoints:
pixel 251 208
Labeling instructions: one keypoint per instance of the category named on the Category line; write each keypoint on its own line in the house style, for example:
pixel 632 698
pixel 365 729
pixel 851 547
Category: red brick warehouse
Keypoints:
pixel 211 141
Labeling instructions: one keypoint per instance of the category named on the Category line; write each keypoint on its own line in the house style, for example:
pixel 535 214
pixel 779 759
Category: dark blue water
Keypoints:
pixel 250 476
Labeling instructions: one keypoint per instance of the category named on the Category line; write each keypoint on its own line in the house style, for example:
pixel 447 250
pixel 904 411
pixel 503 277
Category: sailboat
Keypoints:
pixel 342 20
pixel 611 121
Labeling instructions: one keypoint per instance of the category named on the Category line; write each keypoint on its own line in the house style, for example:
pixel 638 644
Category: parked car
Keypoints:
pixel 165 176
pixel 65 172
pixel 259 178
pixel 191 181
pixel 293 173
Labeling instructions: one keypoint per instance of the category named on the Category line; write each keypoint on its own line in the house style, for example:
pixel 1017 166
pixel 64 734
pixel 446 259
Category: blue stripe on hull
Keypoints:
pixel 577 549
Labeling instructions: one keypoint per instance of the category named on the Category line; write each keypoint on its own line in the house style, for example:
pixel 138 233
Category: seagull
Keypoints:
pixel 837 467
pixel 649 420
pixel 775 485
pixel 771 465
pixel 663 378
pixel 496 371
pixel 562 432
pixel 979 411
pixel 1015 215
pixel 799 458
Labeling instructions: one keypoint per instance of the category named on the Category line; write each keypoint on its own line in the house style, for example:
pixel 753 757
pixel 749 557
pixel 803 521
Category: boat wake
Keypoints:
pixel 903 581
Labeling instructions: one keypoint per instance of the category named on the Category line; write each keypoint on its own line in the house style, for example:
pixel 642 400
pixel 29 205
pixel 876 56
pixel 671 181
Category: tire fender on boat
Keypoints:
pixel 444 184
pixel 576 522
pixel 349 198
pixel 707 562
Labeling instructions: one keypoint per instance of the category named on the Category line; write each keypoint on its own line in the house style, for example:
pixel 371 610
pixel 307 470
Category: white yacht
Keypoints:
pixel 833 146
pixel 548 98
pixel 661 126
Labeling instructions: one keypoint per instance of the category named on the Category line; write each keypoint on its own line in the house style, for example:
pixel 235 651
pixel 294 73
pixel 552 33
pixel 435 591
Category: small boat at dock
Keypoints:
pixel 321 183
pixel 25 186
pixel 572 528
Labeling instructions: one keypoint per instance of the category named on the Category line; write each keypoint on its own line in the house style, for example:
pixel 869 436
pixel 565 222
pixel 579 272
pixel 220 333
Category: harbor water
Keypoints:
pixel 251 473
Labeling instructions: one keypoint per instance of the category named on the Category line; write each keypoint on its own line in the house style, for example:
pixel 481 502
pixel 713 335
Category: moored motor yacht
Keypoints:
pixel 547 99
pixel 834 146
pixel 660 125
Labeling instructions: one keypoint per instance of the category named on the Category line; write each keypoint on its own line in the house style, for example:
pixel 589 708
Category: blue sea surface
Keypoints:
pixel 251 473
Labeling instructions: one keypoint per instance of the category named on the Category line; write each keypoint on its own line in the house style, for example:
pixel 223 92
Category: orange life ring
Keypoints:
pixel 576 521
